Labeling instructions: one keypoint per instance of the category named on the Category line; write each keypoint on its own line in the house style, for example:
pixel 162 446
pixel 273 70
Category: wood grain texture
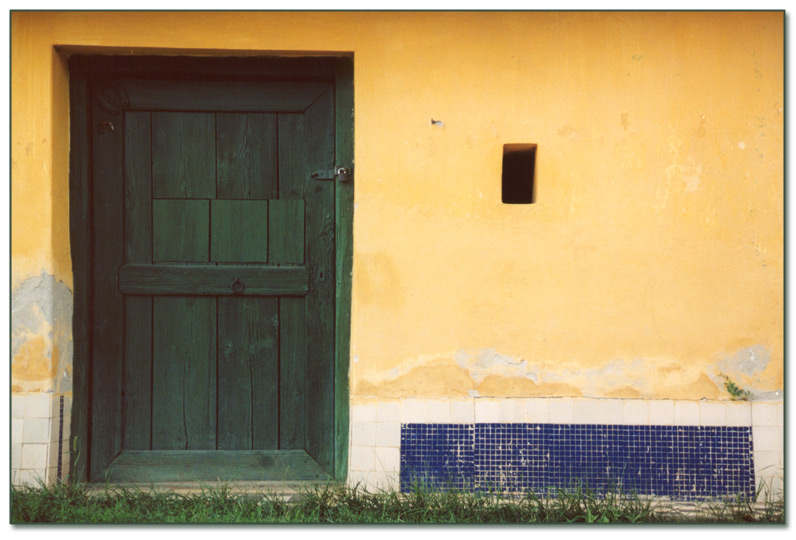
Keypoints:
pixel 138 188
pixel 137 391
pixel 246 156
pixel 181 230
pixel 320 255
pixel 184 373
pixel 108 312
pixel 286 231
pixel 184 155
pixel 239 231
pixel 239 95
pixel 216 466
pixel 292 373
pixel 293 168
pixel 344 221
pixel 80 219
pixel 164 279
pixel 248 373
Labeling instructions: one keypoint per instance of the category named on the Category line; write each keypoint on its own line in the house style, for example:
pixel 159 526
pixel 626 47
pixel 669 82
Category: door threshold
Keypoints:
pixel 285 491
pixel 217 467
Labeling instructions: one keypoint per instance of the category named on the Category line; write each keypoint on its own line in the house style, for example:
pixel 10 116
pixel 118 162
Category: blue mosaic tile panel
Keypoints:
pixel 680 462
pixel 439 456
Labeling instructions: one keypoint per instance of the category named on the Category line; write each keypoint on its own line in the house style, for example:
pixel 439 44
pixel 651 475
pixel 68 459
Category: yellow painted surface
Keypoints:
pixel 654 251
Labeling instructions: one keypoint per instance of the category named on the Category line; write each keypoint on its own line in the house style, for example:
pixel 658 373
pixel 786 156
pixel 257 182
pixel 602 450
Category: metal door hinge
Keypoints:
pixel 342 174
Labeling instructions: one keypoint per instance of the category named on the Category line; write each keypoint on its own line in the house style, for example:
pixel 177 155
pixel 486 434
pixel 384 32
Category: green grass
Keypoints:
pixel 76 504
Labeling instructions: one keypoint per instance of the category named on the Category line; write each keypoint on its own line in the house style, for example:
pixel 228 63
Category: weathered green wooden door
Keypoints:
pixel 213 278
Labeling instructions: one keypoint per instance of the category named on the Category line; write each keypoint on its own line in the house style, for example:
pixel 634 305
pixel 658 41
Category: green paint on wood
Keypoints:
pixel 246 153
pixel 248 373
pixel 217 466
pixel 184 374
pixel 183 155
pixel 286 232
pixel 181 230
pixel 239 231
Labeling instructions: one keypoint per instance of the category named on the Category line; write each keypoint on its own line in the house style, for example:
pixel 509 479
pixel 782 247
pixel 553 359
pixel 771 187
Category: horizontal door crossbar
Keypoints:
pixel 173 279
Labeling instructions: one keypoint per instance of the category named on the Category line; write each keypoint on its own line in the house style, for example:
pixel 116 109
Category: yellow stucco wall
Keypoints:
pixel 650 265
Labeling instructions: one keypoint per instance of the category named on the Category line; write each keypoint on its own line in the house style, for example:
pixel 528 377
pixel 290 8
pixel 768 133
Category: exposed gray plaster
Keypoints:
pixel 748 362
pixel 490 362
pixel 43 306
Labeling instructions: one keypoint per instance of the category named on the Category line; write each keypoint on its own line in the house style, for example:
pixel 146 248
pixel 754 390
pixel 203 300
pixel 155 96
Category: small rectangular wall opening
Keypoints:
pixel 519 165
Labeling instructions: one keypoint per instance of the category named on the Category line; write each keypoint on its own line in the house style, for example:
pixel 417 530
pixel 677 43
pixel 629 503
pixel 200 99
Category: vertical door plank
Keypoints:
pixel 246 155
pixel 239 231
pixel 248 373
pixel 344 208
pixel 184 373
pixel 137 380
pixel 286 231
pixel 181 230
pixel 293 389
pixel 184 155
pixel 293 169
pixel 285 235
pixel 320 260
pixel 108 312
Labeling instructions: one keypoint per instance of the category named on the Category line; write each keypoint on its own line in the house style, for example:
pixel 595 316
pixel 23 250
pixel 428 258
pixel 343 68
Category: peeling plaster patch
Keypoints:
pixel 473 393
pixel 749 361
pixel 438 123
pixel 613 375
pixel 742 145
pixel 489 362
pixel 41 309
pixel 744 367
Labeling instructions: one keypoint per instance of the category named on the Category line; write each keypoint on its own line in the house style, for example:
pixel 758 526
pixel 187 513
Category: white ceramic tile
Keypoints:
pixel 37 406
pixel 363 433
pixel 388 459
pixel 764 414
pixel 17 425
pixel 586 411
pixel 770 488
pixel 780 414
pixel 768 463
pixel 380 481
pixel 36 430
pixel 462 411
pixel 357 479
pixel 16 456
pixel 686 413
pixel 413 411
pixel 536 410
pixel 738 413
pixel 561 410
pixel 363 458
pixel 487 411
pixel 34 456
pixel 361 412
pixel 766 439
pixel 17 406
pixel 438 411
pixel 388 411
pixel 30 477
pixel 511 411
pixel 388 434
pixel 597 411
pixel 712 413
pixel 52 457
pixel 635 412
pixel 661 412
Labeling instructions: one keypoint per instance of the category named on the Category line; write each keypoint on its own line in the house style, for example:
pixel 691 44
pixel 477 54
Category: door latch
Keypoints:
pixel 342 174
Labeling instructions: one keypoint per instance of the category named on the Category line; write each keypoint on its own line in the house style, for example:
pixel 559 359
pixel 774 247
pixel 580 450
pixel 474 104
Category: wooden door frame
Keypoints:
pixel 82 69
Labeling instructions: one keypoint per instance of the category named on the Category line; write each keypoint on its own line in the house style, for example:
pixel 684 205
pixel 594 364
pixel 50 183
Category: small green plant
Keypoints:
pixel 736 393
